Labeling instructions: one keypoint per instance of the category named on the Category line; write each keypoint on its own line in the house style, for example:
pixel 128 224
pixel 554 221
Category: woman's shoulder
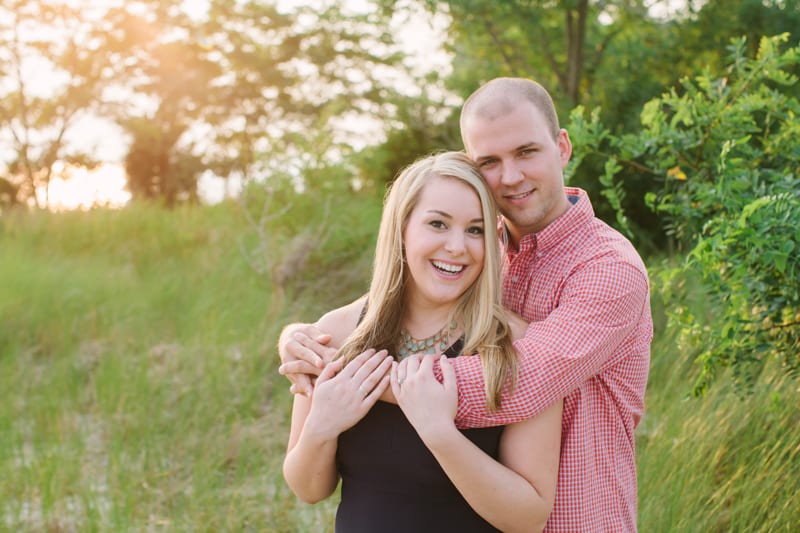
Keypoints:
pixel 341 322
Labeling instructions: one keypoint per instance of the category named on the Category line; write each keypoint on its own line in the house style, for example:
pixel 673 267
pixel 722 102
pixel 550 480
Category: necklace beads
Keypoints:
pixel 439 340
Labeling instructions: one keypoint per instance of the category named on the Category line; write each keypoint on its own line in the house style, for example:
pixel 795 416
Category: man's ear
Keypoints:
pixel 564 146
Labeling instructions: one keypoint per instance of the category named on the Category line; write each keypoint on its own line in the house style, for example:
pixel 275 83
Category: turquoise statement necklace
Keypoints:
pixel 409 345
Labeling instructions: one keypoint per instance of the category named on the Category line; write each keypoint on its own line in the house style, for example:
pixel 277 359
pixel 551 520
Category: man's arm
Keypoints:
pixel 598 309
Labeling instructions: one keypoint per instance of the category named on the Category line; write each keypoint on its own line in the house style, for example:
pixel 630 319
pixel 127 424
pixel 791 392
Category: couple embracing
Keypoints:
pixel 494 374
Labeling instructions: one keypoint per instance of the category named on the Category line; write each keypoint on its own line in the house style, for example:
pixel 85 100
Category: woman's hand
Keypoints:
pixel 342 396
pixel 430 406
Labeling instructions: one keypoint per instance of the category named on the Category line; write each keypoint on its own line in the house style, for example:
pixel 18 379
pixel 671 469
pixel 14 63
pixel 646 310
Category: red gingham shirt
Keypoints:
pixel 585 291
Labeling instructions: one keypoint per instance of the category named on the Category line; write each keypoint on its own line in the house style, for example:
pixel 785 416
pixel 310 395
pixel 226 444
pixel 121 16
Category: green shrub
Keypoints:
pixel 727 150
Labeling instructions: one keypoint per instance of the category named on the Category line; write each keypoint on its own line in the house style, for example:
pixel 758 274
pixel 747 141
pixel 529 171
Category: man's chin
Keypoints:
pixel 522 224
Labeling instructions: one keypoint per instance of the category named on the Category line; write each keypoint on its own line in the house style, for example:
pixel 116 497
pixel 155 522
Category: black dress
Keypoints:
pixel 392 483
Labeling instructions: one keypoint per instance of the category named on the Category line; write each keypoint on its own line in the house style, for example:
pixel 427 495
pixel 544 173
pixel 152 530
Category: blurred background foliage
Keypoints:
pixel 249 89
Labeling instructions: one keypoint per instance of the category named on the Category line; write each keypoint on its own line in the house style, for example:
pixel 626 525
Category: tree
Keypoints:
pixel 37 112
pixel 421 125
pixel 163 80
pixel 234 89
pixel 239 87
pixel 558 43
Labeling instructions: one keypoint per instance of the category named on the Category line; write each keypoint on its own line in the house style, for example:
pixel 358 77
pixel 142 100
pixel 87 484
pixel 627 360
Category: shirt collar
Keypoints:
pixel 579 214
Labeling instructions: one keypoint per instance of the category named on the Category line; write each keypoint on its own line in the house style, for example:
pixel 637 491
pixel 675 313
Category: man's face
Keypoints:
pixel 523 164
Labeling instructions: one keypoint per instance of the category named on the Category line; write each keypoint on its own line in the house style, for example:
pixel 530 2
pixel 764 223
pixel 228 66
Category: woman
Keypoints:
pixel 435 289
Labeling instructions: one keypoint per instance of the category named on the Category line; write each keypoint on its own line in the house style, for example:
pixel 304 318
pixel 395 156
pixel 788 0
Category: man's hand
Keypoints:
pixel 304 352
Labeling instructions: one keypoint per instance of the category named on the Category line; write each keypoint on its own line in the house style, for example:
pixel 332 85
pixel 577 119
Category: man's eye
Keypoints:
pixel 487 163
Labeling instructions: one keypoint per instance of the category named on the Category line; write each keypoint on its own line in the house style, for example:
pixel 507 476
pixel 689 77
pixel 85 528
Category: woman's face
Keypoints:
pixel 444 242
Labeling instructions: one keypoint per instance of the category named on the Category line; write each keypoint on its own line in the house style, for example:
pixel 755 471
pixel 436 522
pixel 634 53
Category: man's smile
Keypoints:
pixel 520 196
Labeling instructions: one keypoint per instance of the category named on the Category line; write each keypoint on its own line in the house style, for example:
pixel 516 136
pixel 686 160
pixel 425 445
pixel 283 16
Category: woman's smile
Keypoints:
pixel 448 268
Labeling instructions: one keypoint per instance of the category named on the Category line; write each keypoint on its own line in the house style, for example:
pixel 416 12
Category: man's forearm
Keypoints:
pixel 579 339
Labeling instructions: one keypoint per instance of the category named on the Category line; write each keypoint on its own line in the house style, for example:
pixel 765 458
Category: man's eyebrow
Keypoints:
pixel 532 144
pixel 525 146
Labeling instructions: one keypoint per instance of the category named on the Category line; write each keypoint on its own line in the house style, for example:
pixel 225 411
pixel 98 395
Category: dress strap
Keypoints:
pixel 455 349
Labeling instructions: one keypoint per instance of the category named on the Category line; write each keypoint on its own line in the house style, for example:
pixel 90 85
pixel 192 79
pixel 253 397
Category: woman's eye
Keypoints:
pixel 475 230
pixel 438 224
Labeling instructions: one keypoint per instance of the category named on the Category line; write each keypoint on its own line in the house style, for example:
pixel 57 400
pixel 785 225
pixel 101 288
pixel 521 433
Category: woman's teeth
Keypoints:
pixel 447 267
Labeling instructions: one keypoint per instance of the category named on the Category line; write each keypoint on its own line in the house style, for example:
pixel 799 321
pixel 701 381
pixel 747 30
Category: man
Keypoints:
pixel 585 291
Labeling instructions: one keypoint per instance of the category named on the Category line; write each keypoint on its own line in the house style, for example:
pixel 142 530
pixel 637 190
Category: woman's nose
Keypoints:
pixel 455 242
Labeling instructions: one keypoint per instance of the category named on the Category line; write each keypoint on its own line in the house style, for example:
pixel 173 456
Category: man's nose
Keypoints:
pixel 512 174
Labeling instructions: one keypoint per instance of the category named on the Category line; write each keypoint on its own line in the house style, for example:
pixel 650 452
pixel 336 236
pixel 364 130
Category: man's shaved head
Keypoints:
pixel 500 96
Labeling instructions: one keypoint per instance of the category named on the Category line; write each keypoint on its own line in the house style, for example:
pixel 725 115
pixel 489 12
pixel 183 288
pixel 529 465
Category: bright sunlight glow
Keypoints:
pixel 81 188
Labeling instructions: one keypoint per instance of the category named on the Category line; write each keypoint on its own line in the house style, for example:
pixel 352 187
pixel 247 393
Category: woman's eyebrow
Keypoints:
pixel 448 215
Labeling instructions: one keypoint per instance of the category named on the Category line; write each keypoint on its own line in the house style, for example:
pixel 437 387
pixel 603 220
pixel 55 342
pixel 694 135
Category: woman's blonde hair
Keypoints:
pixel 479 308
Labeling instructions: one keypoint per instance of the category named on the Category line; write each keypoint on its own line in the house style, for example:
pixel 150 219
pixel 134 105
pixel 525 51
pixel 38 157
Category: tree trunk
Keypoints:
pixel 576 38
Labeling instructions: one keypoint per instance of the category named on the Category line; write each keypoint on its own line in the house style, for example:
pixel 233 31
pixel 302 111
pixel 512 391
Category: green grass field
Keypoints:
pixel 139 392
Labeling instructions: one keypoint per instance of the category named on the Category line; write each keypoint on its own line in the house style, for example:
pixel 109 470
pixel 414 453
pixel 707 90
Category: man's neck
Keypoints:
pixel 516 234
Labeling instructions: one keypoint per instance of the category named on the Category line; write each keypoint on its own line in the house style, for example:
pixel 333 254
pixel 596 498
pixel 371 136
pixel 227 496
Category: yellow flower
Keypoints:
pixel 677 173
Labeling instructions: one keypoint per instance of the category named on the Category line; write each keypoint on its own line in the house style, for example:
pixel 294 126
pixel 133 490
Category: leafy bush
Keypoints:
pixel 727 151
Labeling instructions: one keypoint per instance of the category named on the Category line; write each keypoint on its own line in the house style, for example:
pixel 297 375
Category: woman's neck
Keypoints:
pixel 422 321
